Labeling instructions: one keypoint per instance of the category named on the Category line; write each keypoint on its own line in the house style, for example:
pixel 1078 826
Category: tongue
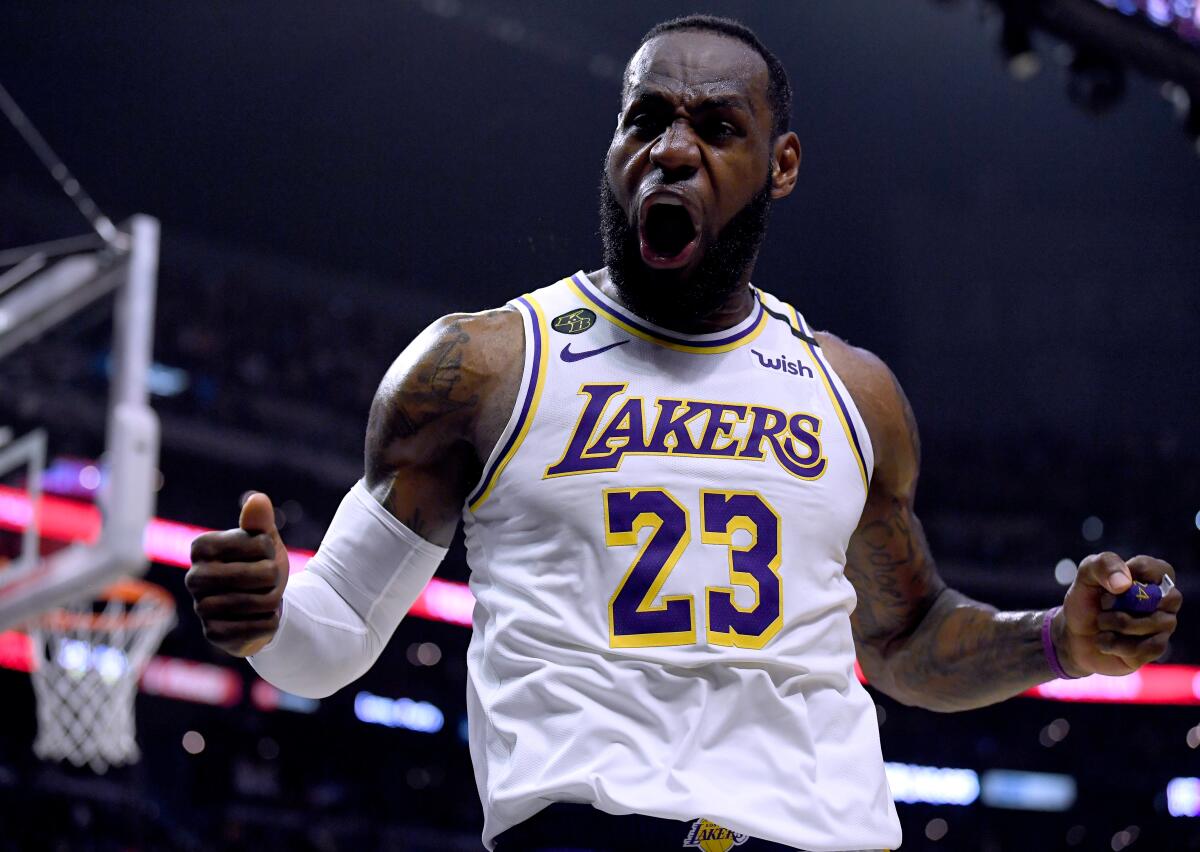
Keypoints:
pixel 668 229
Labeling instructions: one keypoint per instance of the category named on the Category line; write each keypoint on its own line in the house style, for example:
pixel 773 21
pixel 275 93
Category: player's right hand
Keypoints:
pixel 237 580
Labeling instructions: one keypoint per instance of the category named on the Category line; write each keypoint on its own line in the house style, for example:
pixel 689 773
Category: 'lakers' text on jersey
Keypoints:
pixel 657 548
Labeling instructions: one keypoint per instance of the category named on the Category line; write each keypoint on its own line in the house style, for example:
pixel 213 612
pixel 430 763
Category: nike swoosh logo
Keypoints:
pixel 570 357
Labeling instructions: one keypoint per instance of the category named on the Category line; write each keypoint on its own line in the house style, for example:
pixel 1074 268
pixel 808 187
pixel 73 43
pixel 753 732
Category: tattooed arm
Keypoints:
pixel 437 415
pixel 926 644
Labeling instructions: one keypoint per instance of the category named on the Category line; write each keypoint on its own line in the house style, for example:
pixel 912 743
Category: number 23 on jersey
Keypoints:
pixel 636 616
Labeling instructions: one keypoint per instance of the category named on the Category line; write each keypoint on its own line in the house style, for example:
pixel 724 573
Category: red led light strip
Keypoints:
pixel 169 543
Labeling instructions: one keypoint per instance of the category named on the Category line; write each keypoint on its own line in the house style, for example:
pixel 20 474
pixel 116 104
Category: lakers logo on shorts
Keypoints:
pixel 710 837
pixel 574 322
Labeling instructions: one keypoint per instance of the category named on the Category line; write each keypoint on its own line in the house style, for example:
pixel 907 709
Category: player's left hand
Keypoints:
pixel 1093 638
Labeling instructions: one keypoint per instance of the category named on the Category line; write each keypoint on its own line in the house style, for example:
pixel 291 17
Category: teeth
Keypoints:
pixel 670 200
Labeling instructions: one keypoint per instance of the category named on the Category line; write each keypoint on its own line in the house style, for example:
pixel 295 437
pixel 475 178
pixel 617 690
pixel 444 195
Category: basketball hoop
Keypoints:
pixel 88 658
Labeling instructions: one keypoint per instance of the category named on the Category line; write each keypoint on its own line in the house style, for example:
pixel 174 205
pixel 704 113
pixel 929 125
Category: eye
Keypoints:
pixel 717 130
pixel 644 122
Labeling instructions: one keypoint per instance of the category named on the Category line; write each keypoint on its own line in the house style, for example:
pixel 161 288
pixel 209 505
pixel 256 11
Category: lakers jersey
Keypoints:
pixel 657 548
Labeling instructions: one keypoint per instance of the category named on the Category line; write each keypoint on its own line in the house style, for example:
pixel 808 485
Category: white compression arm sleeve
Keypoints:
pixel 341 610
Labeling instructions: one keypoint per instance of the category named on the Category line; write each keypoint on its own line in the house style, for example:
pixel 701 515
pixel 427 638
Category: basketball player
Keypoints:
pixel 686 512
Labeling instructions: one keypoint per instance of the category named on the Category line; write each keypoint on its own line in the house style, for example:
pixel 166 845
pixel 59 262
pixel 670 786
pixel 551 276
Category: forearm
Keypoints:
pixel 321 645
pixel 339 613
pixel 964 654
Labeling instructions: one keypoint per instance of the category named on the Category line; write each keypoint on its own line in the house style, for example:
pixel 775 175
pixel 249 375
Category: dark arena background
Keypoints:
pixel 1001 199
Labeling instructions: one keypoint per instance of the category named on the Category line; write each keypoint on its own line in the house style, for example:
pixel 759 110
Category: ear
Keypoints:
pixel 785 165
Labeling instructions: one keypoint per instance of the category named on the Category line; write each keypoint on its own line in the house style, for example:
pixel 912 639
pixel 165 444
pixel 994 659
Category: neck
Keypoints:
pixel 735 308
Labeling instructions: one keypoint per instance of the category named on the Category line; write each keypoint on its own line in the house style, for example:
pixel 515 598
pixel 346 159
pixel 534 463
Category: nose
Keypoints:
pixel 676 151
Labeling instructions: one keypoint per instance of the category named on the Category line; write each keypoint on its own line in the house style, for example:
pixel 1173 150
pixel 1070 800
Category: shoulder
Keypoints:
pixel 883 405
pixel 486 340
pixel 870 381
pixel 448 380
pixel 462 349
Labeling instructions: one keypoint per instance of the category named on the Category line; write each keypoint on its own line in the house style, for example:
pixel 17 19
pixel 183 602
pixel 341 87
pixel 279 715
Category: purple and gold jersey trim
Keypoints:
pixel 748 330
pixel 839 404
pixel 529 404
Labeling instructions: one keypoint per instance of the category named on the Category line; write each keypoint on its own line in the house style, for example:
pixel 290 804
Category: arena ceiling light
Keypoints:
pixel 1180 16
pixel 1107 39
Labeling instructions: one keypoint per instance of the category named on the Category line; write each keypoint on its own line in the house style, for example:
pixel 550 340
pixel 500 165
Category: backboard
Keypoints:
pixel 40 287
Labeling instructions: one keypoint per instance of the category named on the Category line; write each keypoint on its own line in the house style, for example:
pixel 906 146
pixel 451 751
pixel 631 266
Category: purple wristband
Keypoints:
pixel 1048 646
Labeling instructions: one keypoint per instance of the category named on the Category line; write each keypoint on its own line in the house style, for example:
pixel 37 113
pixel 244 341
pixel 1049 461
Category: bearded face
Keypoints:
pixel 663 230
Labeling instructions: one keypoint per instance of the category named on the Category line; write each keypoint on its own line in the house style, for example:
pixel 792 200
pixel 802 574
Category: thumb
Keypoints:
pixel 1107 572
pixel 258 515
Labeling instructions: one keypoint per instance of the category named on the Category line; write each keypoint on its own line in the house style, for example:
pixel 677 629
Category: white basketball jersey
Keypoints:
pixel 657 548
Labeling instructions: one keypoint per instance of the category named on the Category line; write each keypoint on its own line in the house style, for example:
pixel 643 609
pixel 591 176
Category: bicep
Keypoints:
pixel 888 559
pixel 421 457
pixel 893 573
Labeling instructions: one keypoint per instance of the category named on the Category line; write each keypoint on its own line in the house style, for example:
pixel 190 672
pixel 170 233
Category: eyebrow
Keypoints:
pixel 712 102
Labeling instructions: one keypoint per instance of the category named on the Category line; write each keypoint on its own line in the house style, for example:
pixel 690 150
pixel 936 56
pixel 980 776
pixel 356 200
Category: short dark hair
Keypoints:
pixel 779 90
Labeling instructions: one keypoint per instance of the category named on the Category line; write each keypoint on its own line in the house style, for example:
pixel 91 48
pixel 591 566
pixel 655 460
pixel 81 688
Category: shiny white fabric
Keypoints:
pixel 780 742
pixel 339 612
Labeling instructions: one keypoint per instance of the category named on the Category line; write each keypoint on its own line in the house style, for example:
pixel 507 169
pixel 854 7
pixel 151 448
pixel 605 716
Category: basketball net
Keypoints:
pixel 88 659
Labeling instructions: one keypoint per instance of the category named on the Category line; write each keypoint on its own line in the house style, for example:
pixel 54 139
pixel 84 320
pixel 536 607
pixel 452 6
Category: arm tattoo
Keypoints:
pixel 888 567
pixel 418 424
pixel 428 394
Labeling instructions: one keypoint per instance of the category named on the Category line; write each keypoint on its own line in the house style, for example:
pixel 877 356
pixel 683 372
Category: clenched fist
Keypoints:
pixel 237 580
pixel 1091 636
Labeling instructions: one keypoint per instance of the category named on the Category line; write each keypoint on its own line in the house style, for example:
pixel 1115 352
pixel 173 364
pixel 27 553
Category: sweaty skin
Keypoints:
pixel 695 115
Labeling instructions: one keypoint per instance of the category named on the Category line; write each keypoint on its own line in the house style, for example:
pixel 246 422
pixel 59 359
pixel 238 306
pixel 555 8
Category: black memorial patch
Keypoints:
pixel 574 322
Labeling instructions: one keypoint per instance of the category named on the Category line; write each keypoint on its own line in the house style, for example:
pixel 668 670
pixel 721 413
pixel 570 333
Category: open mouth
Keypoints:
pixel 667 233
